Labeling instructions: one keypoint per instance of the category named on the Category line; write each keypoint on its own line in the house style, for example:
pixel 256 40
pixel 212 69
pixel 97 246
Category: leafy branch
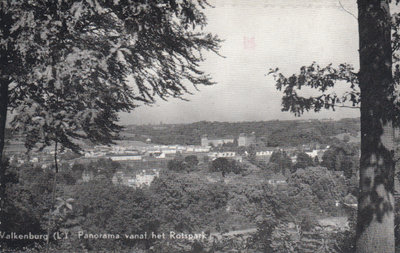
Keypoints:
pixel 320 79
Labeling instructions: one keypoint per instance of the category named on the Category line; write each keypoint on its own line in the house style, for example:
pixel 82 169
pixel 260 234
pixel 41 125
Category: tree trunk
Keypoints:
pixel 375 221
pixel 3 117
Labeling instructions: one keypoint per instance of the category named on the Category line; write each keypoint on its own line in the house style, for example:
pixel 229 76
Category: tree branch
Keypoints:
pixel 344 106
pixel 347 10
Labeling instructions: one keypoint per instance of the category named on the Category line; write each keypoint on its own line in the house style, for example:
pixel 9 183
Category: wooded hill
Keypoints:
pixel 272 133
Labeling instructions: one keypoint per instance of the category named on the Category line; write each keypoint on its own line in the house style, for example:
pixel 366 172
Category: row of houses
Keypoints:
pixel 118 153
pixel 244 140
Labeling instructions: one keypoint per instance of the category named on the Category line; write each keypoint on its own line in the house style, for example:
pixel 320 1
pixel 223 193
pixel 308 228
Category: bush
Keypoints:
pixel 225 166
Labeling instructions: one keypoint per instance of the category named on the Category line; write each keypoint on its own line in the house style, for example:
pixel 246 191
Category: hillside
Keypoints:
pixel 273 133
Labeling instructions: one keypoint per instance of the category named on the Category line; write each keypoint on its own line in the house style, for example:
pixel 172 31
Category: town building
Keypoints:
pixel 205 141
pixel 246 140
pixel 144 178
pixel 126 157
pixel 215 155
pixel 264 153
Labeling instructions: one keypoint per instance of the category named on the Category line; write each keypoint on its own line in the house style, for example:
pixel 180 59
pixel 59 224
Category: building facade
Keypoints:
pixel 246 140
pixel 205 141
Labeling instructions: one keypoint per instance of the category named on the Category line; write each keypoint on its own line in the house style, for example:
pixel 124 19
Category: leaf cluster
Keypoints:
pixel 318 78
pixel 322 80
pixel 73 65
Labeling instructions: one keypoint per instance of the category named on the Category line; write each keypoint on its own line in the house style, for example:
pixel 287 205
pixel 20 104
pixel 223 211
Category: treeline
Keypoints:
pixel 273 133
pixel 183 202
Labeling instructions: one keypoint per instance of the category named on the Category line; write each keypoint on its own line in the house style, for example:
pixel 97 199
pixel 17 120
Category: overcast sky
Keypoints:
pixel 262 34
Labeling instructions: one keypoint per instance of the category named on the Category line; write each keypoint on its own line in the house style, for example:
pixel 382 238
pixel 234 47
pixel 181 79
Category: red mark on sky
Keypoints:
pixel 249 43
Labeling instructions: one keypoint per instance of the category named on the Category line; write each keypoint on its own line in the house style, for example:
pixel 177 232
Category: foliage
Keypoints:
pixel 316 161
pixel 342 157
pixel 66 177
pixel 104 167
pixel 274 133
pixel 97 210
pixel 345 241
pixel 191 160
pixel 325 186
pixel 181 202
pixel 307 220
pixel 176 165
pixel 183 164
pixel 318 78
pixel 262 240
pixel 375 89
pixel 128 52
pixel 303 161
pixel 77 170
pixel 282 159
pixel 225 166
pixel 186 203
pixel 26 201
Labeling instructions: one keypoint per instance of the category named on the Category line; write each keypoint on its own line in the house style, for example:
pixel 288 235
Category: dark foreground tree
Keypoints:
pixel 71 66
pixel 67 68
pixel 375 220
pixel 374 89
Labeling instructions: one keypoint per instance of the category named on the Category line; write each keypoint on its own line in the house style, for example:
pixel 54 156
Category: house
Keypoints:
pixel 126 157
pixel 144 178
pixel 205 141
pixel 312 153
pixel 169 151
pixel 90 154
pixel 87 175
pixel 34 160
pixel 277 179
pixel 201 149
pixel 124 178
pixel 215 155
pixel 156 153
pixel 264 153
pixel 159 155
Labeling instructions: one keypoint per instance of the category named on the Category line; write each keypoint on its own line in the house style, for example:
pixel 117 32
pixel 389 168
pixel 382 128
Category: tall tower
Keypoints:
pixel 204 140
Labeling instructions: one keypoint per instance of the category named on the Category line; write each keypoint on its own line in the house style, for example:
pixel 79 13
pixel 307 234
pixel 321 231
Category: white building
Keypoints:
pixel 168 151
pixel 205 141
pixel 94 154
pixel 215 155
pixel 34 160
pixel 264 153
pixel 201 149
pixel 126 158
pixel 145 179
pixel 313 153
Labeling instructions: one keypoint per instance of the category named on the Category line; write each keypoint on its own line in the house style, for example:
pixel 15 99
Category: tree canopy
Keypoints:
pixel 71 66
pixel 303 161
pixel 282 159
pixel 342 157
pixel 225 166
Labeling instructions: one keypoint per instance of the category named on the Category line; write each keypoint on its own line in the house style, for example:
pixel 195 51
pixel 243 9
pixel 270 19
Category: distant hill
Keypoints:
pixel 273 133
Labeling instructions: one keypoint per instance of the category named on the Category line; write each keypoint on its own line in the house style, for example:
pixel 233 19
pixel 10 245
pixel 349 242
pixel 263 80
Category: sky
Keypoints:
pixel 259 35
